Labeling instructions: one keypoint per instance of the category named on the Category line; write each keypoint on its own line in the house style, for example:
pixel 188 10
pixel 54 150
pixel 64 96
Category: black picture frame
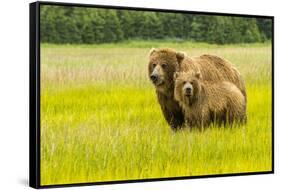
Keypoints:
pixel 34 93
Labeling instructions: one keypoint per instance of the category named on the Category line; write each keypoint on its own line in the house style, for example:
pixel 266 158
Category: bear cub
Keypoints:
pixel 205 102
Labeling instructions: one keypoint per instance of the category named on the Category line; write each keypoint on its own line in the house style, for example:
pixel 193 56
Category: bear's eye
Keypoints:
pixel 191 82
pixel 153 64
pixel 164 66
pixel 183 82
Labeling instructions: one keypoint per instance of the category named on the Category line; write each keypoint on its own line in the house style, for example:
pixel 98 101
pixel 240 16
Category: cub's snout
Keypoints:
pixel 188 89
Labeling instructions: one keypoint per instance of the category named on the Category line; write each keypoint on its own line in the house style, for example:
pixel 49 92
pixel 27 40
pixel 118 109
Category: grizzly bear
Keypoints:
pixel 163 63
pixel 161 68
pixel 205 102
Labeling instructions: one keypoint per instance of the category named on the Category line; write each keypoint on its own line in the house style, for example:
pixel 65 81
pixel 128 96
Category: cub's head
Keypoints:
pixel 163 63
pixel 187 86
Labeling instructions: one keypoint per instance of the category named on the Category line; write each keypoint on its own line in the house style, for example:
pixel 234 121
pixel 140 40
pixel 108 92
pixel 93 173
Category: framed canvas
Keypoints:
pixel 130 94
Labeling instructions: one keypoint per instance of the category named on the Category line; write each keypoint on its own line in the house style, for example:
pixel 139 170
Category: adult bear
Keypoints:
pixel 164 62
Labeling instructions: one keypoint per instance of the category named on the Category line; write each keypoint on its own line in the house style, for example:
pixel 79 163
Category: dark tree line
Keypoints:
pixel 90 25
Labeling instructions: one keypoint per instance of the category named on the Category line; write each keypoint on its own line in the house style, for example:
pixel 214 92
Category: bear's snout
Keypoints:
pixel 187 90
pixel 154 77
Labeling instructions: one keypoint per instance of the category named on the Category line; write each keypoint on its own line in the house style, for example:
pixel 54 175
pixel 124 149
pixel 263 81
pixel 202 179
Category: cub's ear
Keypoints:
pixel 152 51
pixel 176 74
pixel 198 75
pixel 180 56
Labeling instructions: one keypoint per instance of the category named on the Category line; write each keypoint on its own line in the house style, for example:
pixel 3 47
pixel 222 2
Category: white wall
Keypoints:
pixel 14 39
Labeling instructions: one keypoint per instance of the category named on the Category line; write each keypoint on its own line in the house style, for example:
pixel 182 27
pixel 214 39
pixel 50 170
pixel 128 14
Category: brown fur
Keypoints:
pixel 208 102
pixel 212 68
pixel 165 91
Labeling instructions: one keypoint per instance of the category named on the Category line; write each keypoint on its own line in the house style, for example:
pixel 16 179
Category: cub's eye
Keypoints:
pixel 164 66
pixel 191 82
pixel 153 64
pixel 184 82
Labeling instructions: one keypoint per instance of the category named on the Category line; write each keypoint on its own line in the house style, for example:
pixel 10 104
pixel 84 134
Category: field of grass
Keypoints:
pixel 100 120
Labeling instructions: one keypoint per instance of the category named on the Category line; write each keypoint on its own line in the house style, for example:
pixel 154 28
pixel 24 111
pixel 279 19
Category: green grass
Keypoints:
pixel 100 120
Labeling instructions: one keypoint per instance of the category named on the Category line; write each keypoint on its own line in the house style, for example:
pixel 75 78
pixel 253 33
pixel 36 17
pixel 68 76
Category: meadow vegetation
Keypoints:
pixel 100 119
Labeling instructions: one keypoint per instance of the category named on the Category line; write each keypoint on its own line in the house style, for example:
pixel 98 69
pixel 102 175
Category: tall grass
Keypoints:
pixel 100 120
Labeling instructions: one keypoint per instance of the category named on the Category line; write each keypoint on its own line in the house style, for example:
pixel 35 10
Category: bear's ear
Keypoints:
pixel 198 75
pixel 176 74
pixel 152 51
pixel 180 56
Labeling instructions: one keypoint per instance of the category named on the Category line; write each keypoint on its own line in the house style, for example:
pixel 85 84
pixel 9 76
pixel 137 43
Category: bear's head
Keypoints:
pixel 163 63
pixel 187 86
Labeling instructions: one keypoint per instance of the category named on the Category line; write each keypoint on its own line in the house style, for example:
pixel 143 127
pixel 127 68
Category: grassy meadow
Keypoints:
pixel 100 119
